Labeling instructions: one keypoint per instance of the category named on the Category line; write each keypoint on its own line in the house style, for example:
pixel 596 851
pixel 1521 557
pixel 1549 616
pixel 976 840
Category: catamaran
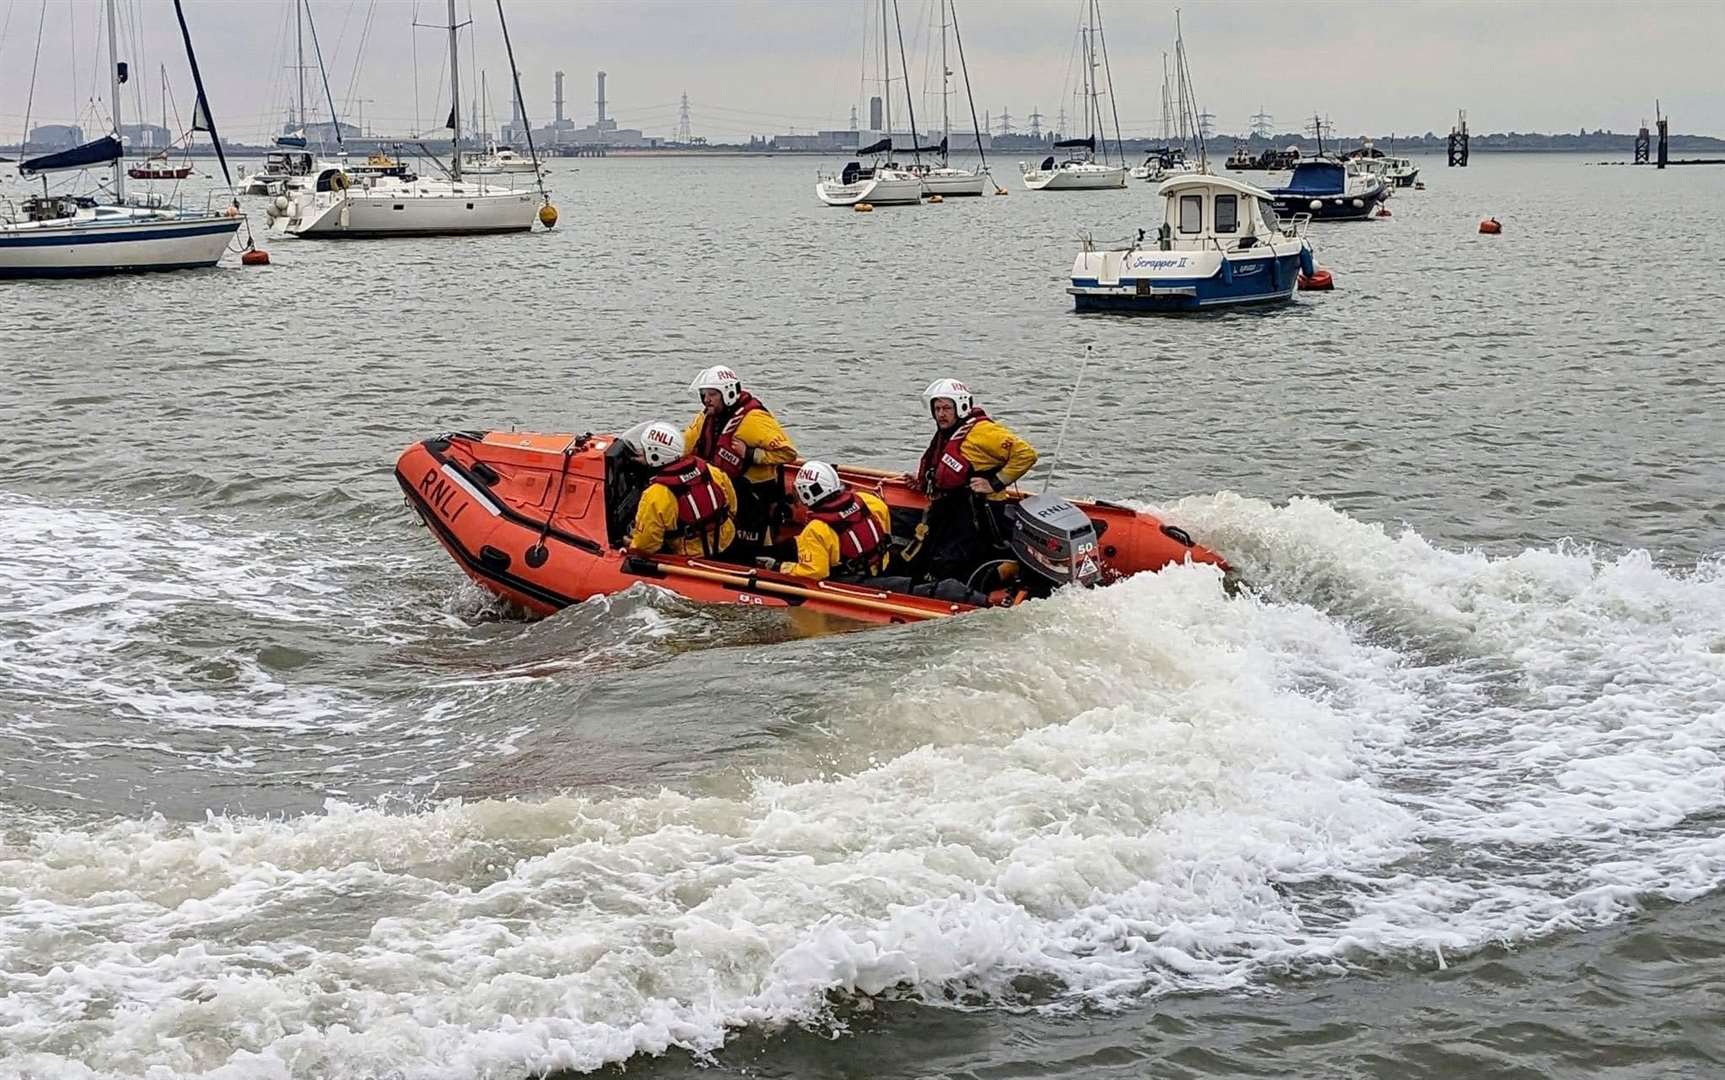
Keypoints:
pixel 68 236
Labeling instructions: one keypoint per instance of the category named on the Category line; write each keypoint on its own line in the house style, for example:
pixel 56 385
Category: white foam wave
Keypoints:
pixel 1147 788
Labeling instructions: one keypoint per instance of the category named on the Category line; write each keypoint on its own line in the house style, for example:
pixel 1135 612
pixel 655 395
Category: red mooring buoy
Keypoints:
pixel 254 257
pixel 1491 226
pixel 1319 280
pixel 1383 211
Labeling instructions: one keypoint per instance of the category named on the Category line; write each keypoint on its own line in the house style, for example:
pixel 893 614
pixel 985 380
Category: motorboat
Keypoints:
pixel 1220 244
pixel 280 167
pixel 1325 189
pixel 541 521
pixel 497 161
pixel 1401 171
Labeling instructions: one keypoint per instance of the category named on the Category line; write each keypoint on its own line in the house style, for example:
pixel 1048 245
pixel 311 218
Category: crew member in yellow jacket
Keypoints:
pixel 849 534
pixel 687 506
pixel 736 433
pixel 969 464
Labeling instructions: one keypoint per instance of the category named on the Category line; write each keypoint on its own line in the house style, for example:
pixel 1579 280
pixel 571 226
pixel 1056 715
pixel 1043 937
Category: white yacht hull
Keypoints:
pixel 1094 178
pixel 384 211
pixel 56 249
pixel 876 191
pixel 955 182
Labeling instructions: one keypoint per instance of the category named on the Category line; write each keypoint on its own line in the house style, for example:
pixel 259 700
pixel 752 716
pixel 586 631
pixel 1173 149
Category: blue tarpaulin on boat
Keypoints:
pixel 1316 178
pixel 100 152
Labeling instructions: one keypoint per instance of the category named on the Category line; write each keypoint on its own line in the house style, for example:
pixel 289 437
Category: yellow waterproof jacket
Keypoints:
pixel 761 433
pixel 991 446
pixel 818 544
pixel 656 519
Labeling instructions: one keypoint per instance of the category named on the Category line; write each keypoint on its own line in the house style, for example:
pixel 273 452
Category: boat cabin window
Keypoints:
pixel 1227 213
pixel 1191 213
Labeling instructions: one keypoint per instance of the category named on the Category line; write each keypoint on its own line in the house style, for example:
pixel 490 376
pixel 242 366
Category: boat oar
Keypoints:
pixel 755 584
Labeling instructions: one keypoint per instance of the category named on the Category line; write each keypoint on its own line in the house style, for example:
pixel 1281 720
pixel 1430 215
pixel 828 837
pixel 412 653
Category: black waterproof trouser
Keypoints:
pixel 965 530
pixel 758 509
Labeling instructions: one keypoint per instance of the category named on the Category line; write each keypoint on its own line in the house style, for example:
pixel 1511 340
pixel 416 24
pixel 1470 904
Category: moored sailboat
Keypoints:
pixel 1080 171
pixel 341 204
pixel 69 236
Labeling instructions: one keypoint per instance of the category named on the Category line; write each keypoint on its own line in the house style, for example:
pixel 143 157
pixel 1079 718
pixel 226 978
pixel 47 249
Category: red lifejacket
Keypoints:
pixel 944 467
pixel 701 505
pixel 862 542
pixel 718 442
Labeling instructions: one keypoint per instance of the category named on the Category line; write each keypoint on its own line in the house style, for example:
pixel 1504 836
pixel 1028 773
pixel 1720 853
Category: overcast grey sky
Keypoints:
pixel 772 66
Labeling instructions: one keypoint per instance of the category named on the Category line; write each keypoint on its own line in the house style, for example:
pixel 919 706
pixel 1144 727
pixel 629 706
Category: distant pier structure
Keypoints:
pixel 1662 156
pixel 1458 141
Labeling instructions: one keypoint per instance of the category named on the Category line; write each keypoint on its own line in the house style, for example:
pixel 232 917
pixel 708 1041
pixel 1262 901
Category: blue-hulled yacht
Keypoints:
pixel 1220 244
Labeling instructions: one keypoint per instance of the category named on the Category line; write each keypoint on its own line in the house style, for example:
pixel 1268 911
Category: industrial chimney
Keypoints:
pixel 558 99
pixel 601 122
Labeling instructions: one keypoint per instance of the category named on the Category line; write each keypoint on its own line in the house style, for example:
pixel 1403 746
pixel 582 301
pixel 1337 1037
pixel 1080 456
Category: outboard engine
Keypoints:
pixel 1056 540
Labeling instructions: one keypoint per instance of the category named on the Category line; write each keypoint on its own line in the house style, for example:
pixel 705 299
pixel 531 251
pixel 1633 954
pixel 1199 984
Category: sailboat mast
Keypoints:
pixel 454 98
pixel 114 74
pixel 885 78
pixel 1165 114
pixel 299 46
pixel 946 78
pixel 909 99
pixel 164 101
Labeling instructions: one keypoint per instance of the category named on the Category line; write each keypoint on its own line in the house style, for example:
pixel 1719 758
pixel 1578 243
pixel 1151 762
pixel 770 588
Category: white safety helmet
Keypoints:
pixel 722 379
pixel 657 443
pixel 817 481
pixel 950 389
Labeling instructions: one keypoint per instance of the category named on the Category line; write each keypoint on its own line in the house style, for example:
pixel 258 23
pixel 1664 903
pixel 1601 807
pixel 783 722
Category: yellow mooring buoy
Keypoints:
pixel 548 216
pixel 863 208
pixel 936 198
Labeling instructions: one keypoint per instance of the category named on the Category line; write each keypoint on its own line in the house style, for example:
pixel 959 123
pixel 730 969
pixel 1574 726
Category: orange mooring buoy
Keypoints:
pixel 1491 226
pixel 1320 280
pixel 254 257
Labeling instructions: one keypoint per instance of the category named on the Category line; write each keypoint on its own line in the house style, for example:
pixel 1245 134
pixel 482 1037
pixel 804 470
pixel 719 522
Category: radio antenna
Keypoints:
pixel 1054 463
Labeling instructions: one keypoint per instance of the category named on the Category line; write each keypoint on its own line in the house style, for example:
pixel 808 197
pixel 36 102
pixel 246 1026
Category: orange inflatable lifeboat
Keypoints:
pixel 540 521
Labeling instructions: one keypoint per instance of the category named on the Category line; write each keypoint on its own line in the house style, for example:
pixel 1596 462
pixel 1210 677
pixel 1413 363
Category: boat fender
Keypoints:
pixel 492 559
pixel 1227 271
pixel 1317 204
pixel 536 556
pixel 1308 264
pixel 1177 534
pixel 1359 203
